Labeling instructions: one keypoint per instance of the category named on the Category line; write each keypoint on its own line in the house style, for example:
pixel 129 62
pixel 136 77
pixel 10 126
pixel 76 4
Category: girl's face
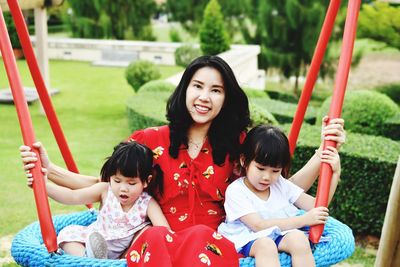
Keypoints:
pixel 260 177
pixel 205 95
pixel 126 189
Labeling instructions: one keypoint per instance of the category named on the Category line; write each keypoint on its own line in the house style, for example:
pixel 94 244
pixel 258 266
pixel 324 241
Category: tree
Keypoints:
pixel 287 32
pixel 87 19
pixel 131 19
pixel 12 31
pixel 381 22
pixel 190 12
pixel 119 19
pixel 213 36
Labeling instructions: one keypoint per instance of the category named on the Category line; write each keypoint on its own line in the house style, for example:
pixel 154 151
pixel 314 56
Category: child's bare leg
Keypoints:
pixel 265 252
pixel 297 245
pixel 73 248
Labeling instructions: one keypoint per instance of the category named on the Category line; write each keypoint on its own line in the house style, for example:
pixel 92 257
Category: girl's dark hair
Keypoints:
pixel 225 129
pixel 131 159
pixel 268 146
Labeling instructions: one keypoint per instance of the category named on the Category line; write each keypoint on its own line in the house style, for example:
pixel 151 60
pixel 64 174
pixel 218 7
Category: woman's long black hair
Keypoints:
pixel 226 128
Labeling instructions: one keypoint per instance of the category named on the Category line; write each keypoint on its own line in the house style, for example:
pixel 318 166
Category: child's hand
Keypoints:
pixel 318 215
pixel 30 177
pixel 331 156
pixel 333 131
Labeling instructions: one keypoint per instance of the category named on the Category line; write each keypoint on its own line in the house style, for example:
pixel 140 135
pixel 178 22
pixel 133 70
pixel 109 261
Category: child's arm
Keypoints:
pixel 56 174
pixel 81 196
pixel 156 215
pixel 314 216
pixel 256 223
pixel 330 156
pixel 307 175
pixel 68 196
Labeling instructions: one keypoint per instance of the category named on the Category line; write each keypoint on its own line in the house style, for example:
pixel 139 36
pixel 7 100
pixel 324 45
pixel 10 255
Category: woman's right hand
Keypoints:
pixel 29 157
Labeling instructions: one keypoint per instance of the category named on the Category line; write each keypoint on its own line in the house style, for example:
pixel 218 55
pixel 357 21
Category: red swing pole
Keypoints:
pixel 39 187
pixel 349 36
pixel 313 72
pixel 40 85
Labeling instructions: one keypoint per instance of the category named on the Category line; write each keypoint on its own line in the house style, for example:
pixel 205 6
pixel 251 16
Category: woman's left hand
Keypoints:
pixel 333 131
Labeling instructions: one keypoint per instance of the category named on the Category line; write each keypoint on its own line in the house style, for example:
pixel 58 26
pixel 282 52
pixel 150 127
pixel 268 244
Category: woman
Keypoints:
pixel 197 152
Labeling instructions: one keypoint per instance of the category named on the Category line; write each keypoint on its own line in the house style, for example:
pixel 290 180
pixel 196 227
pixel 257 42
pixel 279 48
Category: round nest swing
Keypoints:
pixel 28 248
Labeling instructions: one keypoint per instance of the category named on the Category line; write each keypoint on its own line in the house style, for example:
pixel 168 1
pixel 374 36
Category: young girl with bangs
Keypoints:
pixel 125 207
pixel 262 206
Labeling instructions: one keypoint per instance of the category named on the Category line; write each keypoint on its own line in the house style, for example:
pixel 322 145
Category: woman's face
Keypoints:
pixel 205 95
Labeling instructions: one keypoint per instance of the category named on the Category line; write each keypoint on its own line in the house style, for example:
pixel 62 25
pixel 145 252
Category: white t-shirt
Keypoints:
pixel 240 201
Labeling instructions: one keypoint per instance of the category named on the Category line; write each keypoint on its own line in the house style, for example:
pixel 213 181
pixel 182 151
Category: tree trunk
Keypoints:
pixel 296 85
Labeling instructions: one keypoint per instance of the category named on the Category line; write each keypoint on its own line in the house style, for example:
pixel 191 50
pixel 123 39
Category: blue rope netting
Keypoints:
pixel 28 248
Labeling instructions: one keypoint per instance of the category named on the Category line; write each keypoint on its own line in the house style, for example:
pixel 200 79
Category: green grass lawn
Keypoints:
pixel 91 110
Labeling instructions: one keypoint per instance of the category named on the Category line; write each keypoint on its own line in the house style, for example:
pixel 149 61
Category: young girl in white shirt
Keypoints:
pixel 261 207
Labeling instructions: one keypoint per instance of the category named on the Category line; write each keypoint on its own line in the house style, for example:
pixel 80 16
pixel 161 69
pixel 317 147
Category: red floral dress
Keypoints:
pixel 193 205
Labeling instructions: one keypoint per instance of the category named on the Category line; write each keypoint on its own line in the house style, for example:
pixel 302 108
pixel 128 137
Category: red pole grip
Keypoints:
pixel 39 187
pixel 349 36
pixel 312 74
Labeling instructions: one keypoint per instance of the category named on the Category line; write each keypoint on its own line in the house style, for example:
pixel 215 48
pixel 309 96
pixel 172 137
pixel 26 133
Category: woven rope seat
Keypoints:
pixel 28 248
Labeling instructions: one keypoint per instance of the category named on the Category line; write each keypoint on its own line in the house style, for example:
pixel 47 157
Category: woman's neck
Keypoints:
pixel 197 135
pixel 198 132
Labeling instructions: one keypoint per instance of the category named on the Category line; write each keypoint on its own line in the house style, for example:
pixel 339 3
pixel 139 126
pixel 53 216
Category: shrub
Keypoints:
pixel 213 35
pixel 260 115
pixel 147 109
pixel 157 86
pixel 174 35
pixel 141 72
pixel 364 111
pixel 368 165
pixel 284 112
pixel 185 54
pixel 254 93
pixel 391 90
pixel 283 96
pixel 391 127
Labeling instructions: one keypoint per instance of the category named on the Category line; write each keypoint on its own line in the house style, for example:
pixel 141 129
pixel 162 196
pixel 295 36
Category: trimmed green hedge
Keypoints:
pixel 391 90
pixel 391 127
pixel 260 115
pixel 284 112
pixel 251 92
pixel 364 111
pixel 282 96
pixel 368 166
pixel 147 109
pixel 157 86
